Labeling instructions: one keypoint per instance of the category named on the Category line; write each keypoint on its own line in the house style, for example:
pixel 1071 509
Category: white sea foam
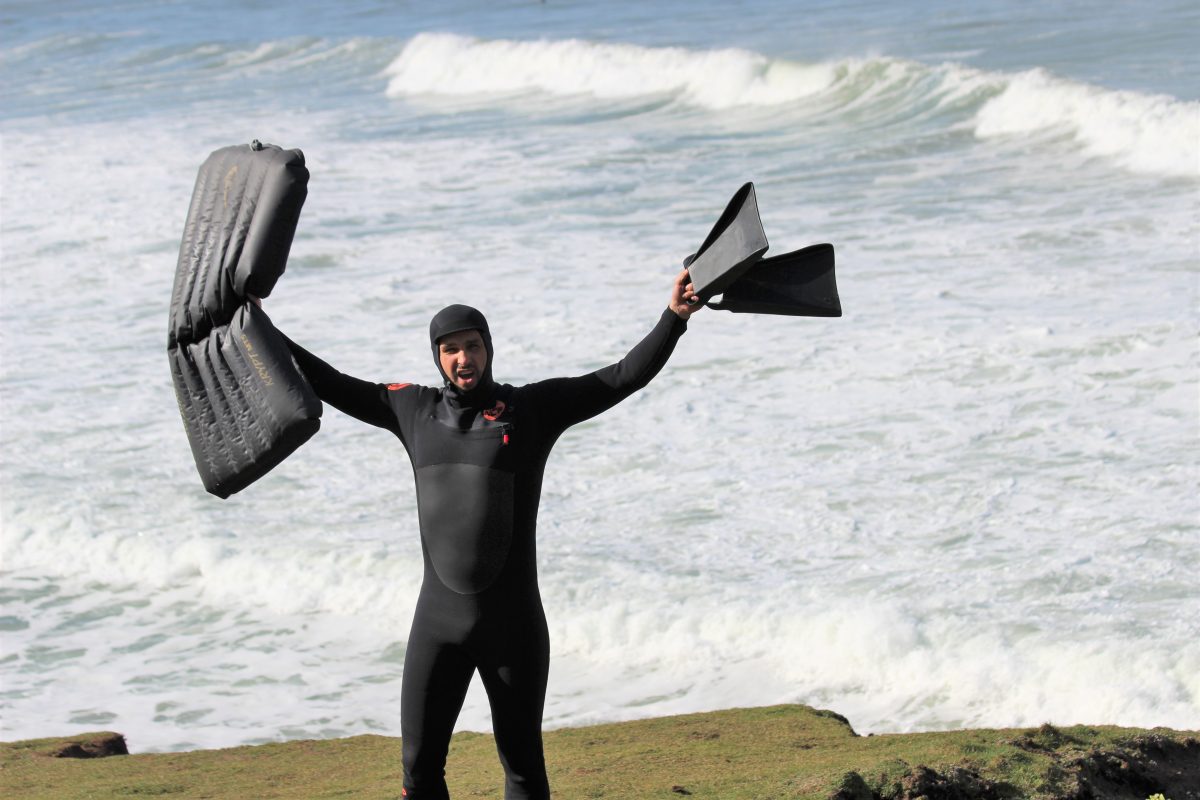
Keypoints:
pixel 304 576
pixel 891 666
pixel 310 641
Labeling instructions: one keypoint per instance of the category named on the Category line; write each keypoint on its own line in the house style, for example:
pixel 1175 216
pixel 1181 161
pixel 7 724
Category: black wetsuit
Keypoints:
pixel 478 459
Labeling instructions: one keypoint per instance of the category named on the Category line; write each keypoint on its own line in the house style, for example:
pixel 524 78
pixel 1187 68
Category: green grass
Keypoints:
pixel 779 752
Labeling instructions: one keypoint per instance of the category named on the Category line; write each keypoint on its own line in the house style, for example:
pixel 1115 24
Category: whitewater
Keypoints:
pixel 971 501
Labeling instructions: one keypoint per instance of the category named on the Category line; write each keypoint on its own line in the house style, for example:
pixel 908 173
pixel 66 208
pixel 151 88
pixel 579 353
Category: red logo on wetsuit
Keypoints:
pixel 395 386
pixel 493 413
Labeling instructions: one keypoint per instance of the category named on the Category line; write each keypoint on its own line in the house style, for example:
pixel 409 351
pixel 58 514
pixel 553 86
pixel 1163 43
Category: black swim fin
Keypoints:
pixel 733 245
pixel 799 284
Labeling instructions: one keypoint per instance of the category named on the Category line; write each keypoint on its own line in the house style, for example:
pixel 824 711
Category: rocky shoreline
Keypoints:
pixel 764 754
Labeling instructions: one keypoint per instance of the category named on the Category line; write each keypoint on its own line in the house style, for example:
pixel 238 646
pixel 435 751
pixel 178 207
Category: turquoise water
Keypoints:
pixel 969 501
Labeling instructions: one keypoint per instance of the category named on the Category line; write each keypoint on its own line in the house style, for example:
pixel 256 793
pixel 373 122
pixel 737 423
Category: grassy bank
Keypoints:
pixel 778 752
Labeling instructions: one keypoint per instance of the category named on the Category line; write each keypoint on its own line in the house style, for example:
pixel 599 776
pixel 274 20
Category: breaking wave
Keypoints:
pixel 1144 133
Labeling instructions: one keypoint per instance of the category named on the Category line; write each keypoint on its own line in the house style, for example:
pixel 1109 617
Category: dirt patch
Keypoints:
pixel 923 783
pixel 1134 770
pixel 1143 766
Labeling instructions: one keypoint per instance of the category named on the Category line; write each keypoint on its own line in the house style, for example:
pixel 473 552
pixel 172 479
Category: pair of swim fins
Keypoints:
pixel 730 263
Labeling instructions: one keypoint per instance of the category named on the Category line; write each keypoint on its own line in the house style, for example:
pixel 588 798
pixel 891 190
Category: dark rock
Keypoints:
pixel 96 746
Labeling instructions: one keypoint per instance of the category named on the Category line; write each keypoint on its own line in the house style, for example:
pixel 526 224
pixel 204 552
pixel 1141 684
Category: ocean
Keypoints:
pixel 973 500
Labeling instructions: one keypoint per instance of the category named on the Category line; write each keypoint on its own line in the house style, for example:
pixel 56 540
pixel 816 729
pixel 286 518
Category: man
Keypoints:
pixel 478 451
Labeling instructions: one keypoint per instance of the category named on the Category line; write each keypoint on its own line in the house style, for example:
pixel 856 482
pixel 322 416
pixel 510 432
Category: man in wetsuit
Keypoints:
pixel 478 451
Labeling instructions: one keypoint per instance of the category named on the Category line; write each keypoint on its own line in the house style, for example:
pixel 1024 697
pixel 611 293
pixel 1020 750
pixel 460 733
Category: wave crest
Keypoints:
pixel 1144 133
pixel 439 63
pixel 1140 132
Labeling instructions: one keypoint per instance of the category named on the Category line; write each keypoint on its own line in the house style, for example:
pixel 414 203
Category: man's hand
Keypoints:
pixel 684 301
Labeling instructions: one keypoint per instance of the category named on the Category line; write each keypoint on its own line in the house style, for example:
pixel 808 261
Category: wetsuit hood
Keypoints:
pixel 454 319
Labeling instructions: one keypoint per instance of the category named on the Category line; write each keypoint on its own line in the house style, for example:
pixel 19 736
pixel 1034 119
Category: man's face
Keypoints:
pixel 463 357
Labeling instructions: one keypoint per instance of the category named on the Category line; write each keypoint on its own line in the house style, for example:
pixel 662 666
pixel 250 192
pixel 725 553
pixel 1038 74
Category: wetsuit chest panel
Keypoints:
pixel 466 514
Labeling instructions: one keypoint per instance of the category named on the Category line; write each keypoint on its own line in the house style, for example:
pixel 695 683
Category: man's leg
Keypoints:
pixel 514 674
pixel 436 677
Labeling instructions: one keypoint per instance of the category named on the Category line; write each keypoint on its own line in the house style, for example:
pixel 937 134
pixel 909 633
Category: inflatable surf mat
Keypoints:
pixel 245 404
